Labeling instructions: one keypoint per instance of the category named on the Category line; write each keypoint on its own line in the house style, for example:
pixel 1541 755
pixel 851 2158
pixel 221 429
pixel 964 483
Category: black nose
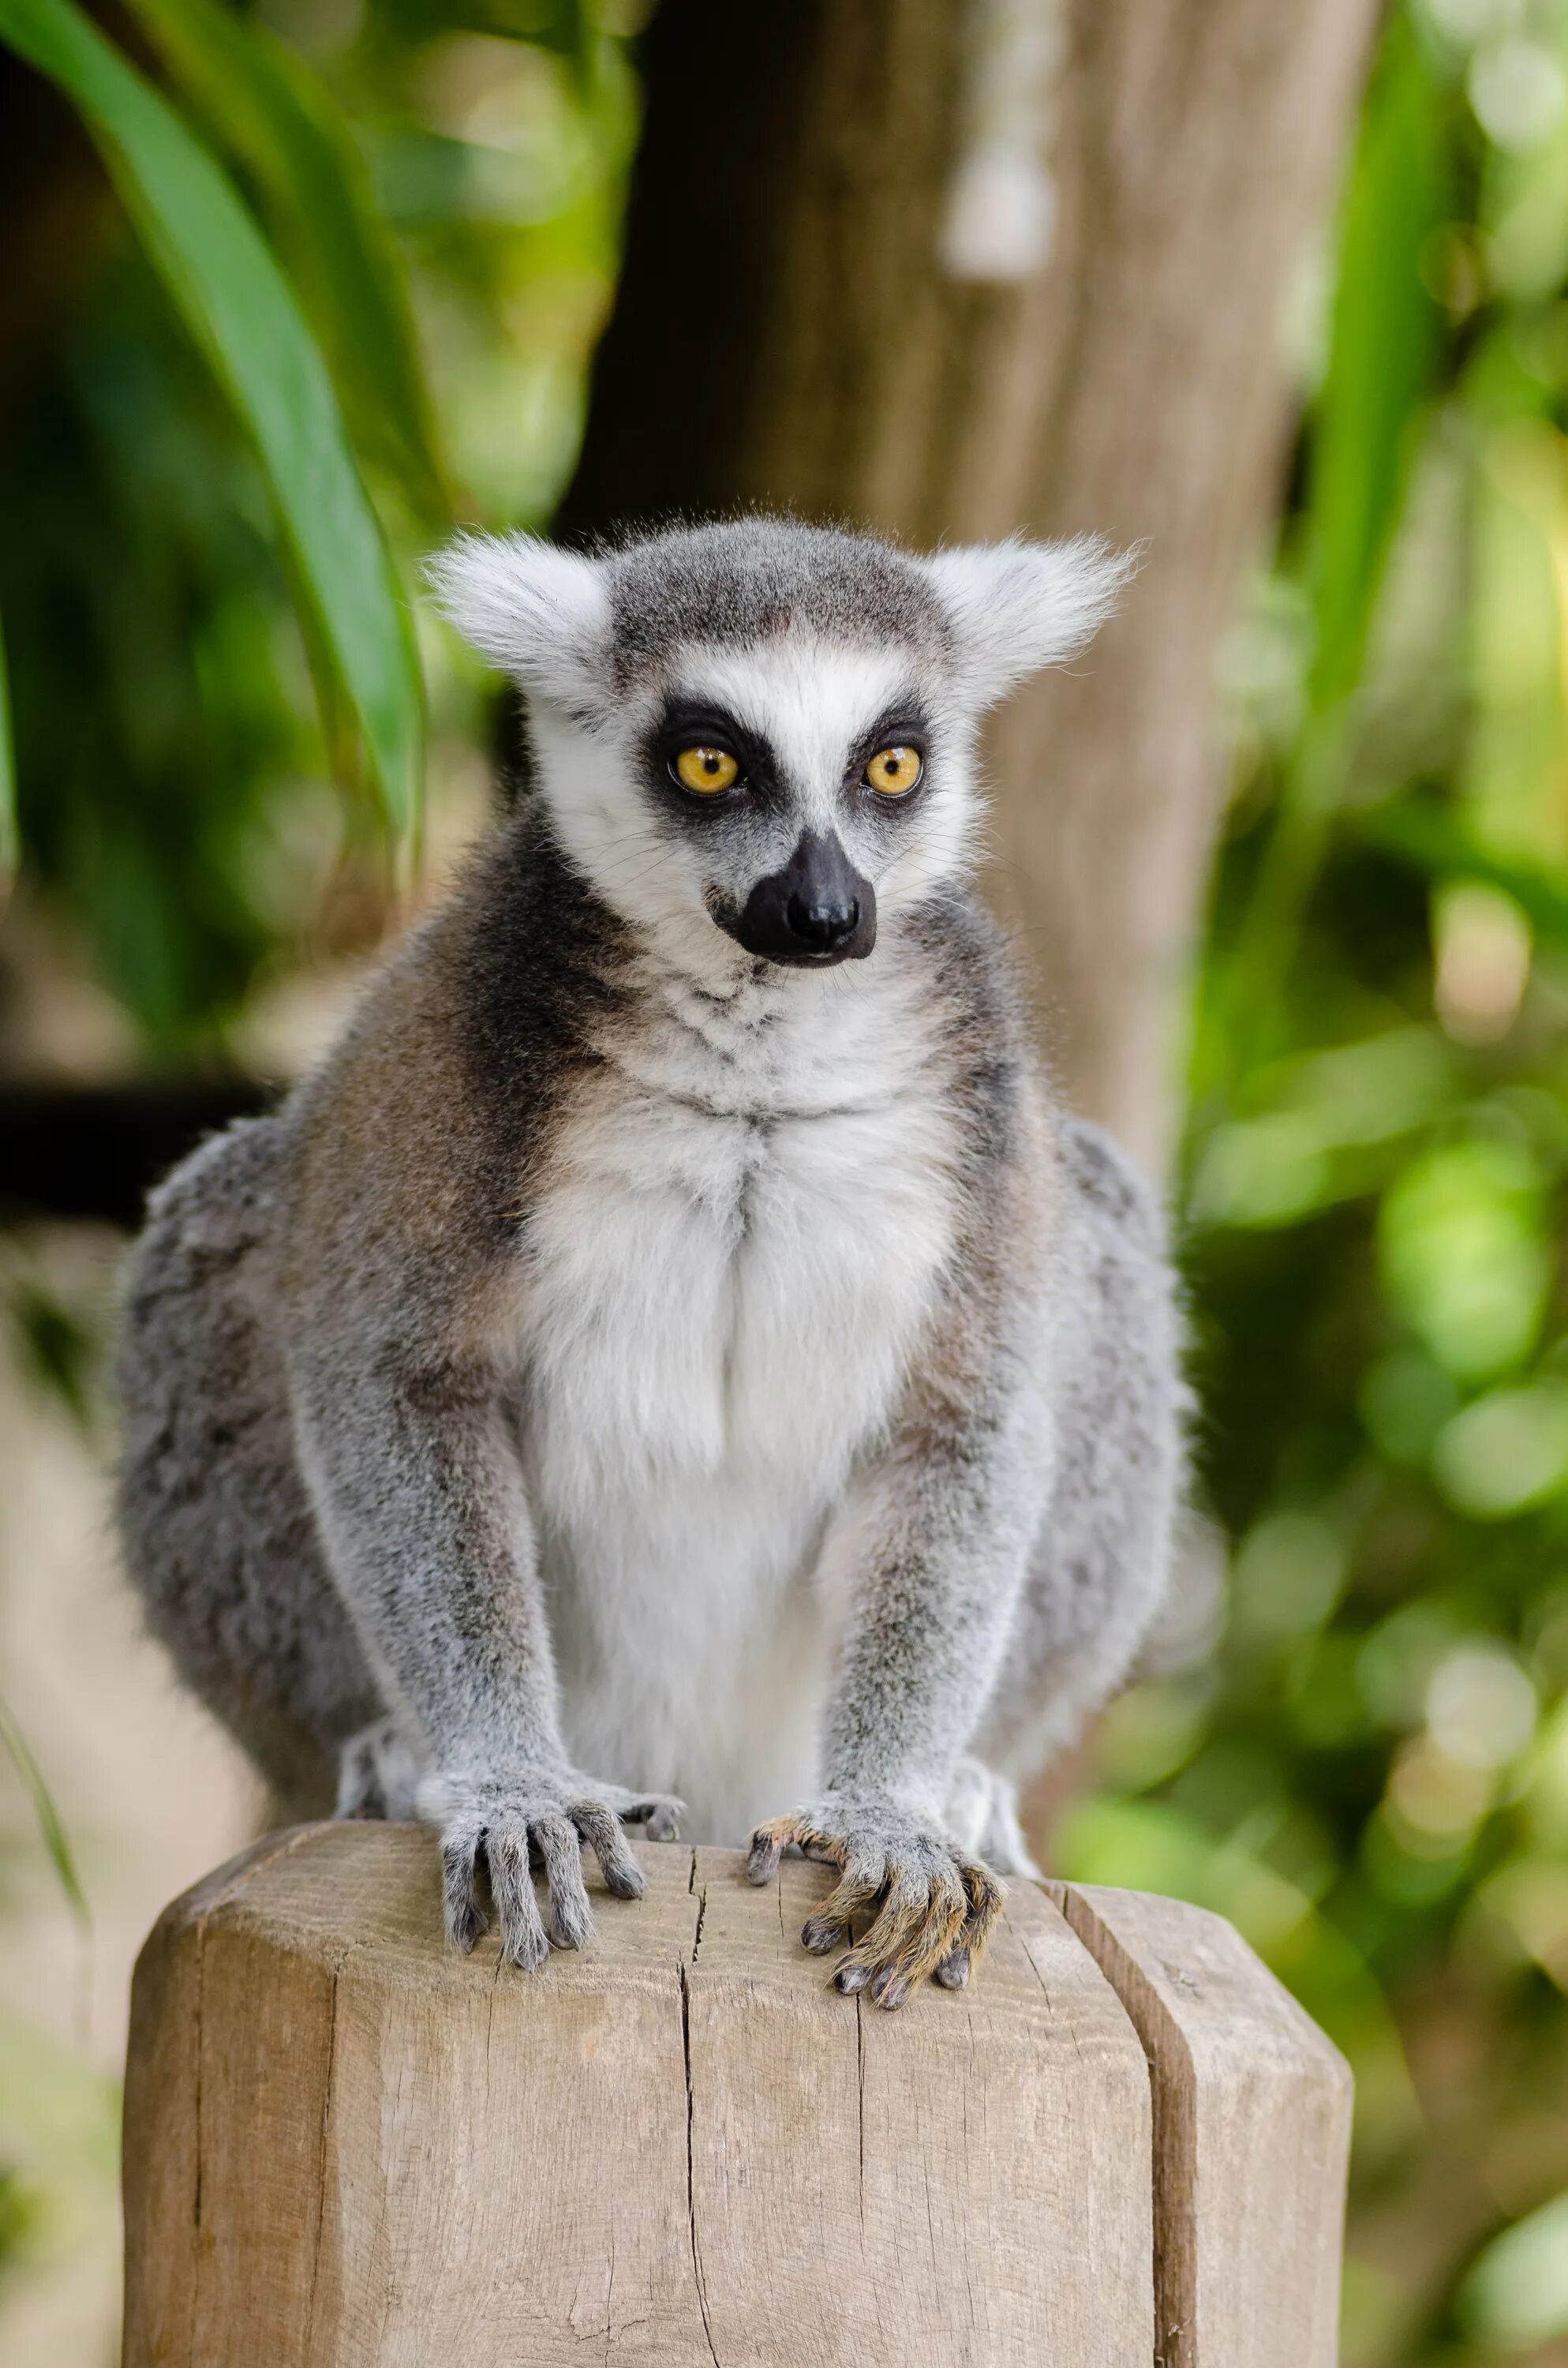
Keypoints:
pixel 822 923
pixel 817 909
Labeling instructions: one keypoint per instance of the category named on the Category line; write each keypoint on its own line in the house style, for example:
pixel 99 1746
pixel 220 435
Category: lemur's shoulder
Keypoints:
pixel 419 1131
pixel 987 1030
pixel 1109 1188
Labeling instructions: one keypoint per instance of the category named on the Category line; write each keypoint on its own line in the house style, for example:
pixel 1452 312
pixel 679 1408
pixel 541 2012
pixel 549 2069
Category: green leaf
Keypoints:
pixel 1382 357
pixel 279 121
pixel 9 844
pixel 1430 839
pixel 240 308
pixel 1516 2294
pixel 559 25
pixel 49 1823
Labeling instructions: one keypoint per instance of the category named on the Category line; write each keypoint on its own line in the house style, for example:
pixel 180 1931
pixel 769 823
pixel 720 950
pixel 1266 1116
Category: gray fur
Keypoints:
pixel 631 1353
pixel 748 580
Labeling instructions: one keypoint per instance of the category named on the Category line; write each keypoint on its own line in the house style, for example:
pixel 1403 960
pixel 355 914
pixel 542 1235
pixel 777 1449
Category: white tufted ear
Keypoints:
pixel 540 613
pixel 1015 606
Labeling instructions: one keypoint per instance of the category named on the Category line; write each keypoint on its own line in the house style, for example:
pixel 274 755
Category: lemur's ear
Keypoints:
pixel 1016 606
pixel 540 613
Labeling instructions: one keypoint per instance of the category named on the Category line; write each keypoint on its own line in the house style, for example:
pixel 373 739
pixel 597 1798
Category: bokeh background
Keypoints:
pixel 243 754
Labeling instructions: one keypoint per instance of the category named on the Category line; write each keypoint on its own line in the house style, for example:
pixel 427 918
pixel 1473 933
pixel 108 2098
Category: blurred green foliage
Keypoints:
pixel 241 309
pixel 184 571
pixel 1370 1771
pixel 317 204
pixel 1356 1742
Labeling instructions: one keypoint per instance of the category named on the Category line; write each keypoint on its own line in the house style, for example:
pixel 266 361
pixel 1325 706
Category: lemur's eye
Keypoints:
pixel 706 770
pixel 894 771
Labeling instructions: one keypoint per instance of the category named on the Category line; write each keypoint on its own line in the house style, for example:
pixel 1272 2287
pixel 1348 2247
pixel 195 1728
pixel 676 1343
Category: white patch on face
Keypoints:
pixel 810 700
pixel 813 702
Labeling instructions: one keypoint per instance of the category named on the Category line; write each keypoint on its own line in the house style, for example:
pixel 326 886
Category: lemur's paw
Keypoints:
pixel 511 1827
pixel 931 1906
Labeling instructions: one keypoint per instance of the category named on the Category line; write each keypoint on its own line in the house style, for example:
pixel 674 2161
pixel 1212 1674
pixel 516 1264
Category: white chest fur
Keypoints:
pixel 746 1215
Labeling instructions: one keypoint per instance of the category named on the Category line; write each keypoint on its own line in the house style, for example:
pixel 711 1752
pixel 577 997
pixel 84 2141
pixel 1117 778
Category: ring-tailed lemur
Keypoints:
pixel 674 1344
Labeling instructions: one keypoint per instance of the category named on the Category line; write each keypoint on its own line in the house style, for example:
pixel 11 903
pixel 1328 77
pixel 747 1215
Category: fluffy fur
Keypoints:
pixel 638 1366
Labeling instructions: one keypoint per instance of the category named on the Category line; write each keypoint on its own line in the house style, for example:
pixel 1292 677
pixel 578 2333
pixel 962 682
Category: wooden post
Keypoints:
pixel 345 2145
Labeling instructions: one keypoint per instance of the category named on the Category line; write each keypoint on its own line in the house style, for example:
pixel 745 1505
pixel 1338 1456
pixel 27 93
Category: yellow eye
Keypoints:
pixel 706 770
pixel 894 771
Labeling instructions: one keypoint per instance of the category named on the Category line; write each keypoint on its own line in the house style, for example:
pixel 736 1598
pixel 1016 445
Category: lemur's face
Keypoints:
pixel 768 728
pixel 784 791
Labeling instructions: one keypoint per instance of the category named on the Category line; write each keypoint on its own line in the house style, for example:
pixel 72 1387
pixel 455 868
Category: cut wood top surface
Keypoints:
pixel 344 2142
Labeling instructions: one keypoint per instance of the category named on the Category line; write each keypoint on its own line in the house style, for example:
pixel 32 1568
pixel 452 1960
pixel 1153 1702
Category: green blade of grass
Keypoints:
pixel 1382 355
pixel 49 1825
pixel 243 312
pixel 278 118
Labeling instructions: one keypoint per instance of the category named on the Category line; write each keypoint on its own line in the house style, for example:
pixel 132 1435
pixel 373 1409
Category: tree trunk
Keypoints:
pixel 786 333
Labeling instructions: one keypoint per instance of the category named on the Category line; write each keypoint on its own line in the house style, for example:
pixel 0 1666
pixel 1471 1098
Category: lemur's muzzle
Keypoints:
pixel 817 910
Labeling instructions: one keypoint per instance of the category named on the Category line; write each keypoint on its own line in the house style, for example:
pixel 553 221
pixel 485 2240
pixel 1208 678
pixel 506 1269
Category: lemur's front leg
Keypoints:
pixel 930 1555
pixel 423 1509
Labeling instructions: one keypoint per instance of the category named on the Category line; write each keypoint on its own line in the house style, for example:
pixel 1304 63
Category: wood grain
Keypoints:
pixel 872 2187
pixel 346 2145
pixel 1252 2135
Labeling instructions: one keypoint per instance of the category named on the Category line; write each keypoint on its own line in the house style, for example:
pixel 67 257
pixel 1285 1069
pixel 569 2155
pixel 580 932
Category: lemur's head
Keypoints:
pixel 765 725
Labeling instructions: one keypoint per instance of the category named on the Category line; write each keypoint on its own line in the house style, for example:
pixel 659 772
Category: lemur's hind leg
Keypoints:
pixel 1102 1561
pixel 220 1540
pixel 378 1775
pixel 983 1817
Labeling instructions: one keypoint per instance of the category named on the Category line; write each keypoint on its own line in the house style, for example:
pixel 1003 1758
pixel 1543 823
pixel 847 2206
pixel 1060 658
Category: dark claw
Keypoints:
pixel 850 1978
pixel 822 1934
pixel 953 1971
pixel 464 1920
pixel 600 1829
pixel 889 1994
pixel 762 1859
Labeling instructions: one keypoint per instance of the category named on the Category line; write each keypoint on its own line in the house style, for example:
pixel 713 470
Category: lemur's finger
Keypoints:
pixel 465 1919
pixel 571 1919
pixel 986 1900
pixel 905 1902
pixel 903 1897
pixel 522 1930
pixel 822 1933
pixel 606 1837
pixel 768 1848
pixel 916 1929
pixel 983 1898
pixel 827 1926
pixel 924 1946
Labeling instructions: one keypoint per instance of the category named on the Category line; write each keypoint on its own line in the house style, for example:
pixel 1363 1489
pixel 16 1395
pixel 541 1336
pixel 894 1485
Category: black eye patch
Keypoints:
pixel 902 724
pixel 697 723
